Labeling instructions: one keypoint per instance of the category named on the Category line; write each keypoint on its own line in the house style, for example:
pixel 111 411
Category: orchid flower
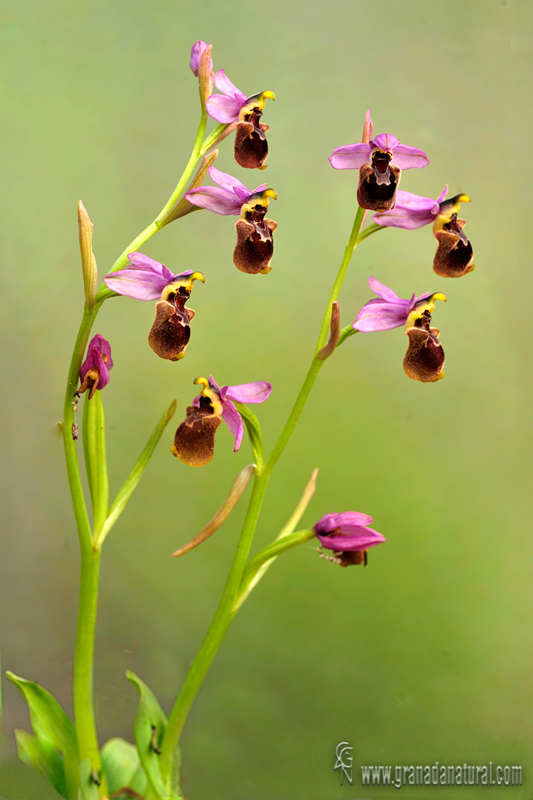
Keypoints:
pixel 194 441
pixel 233 106
pixel 454 256
pixel 424 360
pixel 254 248
pixel 348 535
pixel 146 279
pixel 380 162
pixel 411 211
pixel 94 372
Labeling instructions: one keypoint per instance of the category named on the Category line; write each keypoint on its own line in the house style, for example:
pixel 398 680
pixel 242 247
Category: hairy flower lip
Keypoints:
pixel 222 397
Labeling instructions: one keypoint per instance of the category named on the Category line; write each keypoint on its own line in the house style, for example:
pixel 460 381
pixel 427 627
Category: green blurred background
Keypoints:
pixel 425 655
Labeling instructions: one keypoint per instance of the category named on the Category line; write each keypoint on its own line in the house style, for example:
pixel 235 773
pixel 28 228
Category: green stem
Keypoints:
pixel 83 662
pixel 90 557
pixel 159 221
pixel 369 230
pixel 71 455
pixel 316 363
pixel 214 636
pixel 226 610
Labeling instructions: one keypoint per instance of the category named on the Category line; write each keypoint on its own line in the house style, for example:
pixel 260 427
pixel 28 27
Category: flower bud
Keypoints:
pixel 88 262
pixel 94 372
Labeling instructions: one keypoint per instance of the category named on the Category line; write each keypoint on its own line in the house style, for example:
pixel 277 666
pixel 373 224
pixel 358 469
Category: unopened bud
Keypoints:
pixel 205 75
pixel 88 262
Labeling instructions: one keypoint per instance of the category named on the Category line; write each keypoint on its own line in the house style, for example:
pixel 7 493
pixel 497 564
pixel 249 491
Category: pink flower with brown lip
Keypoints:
pixel 348 535
pixel 380 161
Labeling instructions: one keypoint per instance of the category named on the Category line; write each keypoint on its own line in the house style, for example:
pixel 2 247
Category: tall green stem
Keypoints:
pixel 83 663
pixel 215 634
pixel 316 363
pixel 226 610
pixel 90 556
pixel 159 221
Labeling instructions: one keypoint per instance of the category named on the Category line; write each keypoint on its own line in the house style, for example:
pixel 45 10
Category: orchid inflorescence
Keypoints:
pixel 380 160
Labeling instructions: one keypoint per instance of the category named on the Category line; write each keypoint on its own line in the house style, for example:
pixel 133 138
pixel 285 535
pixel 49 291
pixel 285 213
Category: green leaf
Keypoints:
pixel 148 730
pixel 122 767
pixel 49 721
pixel 128 487
pixel 90 789
pixel 95 457
pixel 41 754
pixel 254 433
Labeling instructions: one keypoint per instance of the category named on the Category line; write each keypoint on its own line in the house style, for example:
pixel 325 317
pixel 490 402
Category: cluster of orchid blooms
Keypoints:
pixel 380 161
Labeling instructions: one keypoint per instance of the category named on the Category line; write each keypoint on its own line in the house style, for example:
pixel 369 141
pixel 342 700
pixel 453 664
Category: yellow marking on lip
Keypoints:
pixel 211 394
pixel 426 305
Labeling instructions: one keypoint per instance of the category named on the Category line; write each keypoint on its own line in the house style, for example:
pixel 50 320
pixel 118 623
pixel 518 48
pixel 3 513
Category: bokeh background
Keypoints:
pixel 425 656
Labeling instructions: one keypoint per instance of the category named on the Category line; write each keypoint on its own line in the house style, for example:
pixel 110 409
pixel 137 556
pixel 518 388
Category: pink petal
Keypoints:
pixel 221 201
pixel 233 420
pixel 350 156
pixel 385 141
pixel 224 85
pixel 443 194
pixel 226 181
pixel 331 521
pixel 407 157
pixel 357 539
pixel 138 283
pixel 223 109
pixel 256 392
pixel 382 290
pixel 140 260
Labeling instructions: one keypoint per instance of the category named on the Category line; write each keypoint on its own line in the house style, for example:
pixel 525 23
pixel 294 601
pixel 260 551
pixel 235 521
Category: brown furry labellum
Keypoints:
pixel 171 331
pixel 194 442
pixel 424 360
pixel 251 146
pixel 378 183
pixel 255 245
pixel 454 257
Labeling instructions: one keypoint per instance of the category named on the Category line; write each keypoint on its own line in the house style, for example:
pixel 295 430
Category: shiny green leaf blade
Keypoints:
pixel 148 730
pixel 49 721
pixel 43 756
pixel 95 457
pixel 122 767
pixel 128 487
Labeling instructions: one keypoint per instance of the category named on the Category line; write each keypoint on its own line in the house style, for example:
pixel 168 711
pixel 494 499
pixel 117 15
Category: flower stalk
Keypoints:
pixel 229 602
pixel 92 539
